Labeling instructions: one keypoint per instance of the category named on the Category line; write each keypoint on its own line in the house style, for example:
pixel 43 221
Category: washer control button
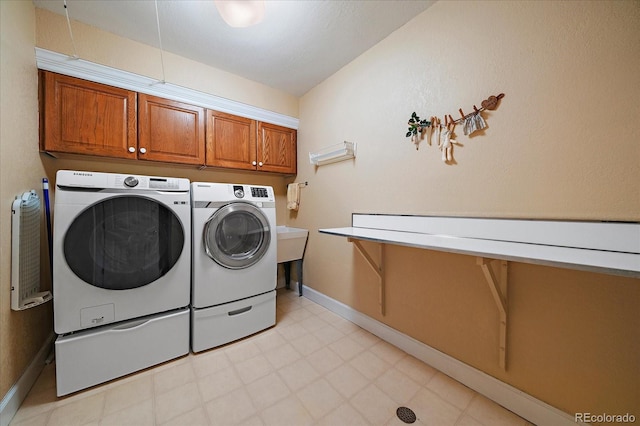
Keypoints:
pixel 130 181
pixel 238 191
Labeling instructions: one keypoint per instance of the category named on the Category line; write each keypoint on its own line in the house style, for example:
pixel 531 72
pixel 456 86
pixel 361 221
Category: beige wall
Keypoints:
pixel 563 144
pixel 22 334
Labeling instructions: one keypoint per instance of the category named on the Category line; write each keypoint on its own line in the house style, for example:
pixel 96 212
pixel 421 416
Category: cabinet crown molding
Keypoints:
pixel 80 68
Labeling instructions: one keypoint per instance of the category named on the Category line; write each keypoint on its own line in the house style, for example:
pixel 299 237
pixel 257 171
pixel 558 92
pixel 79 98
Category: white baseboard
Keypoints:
pixel 293 285
pixel 524 405
pixel 18 392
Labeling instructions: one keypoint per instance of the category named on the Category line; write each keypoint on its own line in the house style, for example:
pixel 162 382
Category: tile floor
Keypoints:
pixel 312 368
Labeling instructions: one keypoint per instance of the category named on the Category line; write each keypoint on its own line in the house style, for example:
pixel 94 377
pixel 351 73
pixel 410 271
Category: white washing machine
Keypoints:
pixel 121 274
pixel 234 262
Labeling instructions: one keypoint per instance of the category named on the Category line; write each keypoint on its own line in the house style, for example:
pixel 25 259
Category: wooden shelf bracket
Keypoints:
pixel 499 293
pixel 377 268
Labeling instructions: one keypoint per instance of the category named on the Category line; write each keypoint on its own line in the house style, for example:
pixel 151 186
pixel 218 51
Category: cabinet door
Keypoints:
pixel 277 149
pixel 170 131
pixel 82 117
pixel 231 141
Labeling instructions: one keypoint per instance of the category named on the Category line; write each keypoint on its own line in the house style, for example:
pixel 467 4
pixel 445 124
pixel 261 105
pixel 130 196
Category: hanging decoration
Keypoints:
pixel 444 133
pixel 417 128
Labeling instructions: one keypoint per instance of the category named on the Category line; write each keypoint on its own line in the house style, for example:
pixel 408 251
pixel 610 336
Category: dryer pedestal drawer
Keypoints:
pixel 217 325
pixel 95 356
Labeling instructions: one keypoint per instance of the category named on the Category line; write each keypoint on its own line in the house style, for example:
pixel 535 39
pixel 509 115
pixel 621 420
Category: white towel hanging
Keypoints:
pixel 293 196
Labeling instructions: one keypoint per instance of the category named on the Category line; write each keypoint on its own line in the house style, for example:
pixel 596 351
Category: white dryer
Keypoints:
pixel 234 262
pixel 121 274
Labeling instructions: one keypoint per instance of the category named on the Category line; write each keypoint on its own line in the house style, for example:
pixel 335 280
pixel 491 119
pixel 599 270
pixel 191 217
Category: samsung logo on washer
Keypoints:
pixel 82 174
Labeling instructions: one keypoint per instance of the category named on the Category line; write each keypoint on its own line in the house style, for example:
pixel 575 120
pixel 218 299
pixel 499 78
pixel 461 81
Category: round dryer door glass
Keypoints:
pixel 237 235
pixel 123 243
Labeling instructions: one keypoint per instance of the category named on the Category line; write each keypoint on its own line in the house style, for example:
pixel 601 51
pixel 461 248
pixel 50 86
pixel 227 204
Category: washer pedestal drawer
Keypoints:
pixel 94 356
pixel 217 325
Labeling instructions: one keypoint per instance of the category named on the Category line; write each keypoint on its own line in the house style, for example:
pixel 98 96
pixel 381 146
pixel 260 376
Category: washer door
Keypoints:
pixel 237 235
pixel 123 242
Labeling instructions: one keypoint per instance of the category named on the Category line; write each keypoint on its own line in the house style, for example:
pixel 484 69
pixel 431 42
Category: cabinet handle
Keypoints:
pixel 143 150
pixel 254 163
pixel 260 164
pixel 132 149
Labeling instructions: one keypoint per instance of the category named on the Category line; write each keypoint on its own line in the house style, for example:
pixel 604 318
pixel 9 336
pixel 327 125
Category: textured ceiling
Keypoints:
pixel 298 44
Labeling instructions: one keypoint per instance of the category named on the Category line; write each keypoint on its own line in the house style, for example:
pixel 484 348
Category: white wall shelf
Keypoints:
pixel 334 153
pixel 604 247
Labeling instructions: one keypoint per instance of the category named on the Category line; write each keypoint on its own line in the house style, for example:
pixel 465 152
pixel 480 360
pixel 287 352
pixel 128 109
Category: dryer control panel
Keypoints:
pixel 224 192
pixel 256 191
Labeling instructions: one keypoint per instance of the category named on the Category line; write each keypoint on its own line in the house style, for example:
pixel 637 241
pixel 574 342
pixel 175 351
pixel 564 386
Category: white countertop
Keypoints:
pixel 596 260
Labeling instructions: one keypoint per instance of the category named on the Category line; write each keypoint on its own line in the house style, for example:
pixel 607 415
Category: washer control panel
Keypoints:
pixel 98 180
pixel 145 182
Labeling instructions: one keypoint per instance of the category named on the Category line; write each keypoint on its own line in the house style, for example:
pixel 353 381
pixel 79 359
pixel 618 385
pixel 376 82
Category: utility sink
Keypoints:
pixel 291 243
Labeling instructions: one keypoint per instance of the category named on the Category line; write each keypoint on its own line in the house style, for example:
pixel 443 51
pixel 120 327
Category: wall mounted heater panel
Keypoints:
pixel 25 253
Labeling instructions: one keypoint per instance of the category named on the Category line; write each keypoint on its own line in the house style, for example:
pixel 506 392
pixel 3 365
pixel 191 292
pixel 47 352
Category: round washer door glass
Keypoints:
pixel 237 235
pixel 123 242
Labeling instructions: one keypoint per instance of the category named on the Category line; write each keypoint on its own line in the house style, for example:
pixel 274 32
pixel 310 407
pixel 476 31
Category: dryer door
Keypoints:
pixel 237 235
pixel 123 242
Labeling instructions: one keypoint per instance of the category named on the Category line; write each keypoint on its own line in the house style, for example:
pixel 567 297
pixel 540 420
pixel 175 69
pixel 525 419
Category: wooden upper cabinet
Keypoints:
pixel 242 143
pixel 276 149
pixel 231 141
pixel 170 131
pixel 82 117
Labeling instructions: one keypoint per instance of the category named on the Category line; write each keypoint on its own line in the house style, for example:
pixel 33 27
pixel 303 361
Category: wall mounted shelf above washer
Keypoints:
pixel 334 153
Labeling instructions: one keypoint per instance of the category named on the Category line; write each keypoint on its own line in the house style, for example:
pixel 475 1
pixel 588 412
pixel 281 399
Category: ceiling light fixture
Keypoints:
pixel 241 13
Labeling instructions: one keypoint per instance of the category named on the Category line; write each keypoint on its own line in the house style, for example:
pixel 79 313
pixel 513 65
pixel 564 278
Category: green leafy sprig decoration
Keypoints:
pixel 416 125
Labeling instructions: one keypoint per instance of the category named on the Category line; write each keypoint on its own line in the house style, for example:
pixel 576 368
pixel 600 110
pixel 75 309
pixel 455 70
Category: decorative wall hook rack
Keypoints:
pixel 443 133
